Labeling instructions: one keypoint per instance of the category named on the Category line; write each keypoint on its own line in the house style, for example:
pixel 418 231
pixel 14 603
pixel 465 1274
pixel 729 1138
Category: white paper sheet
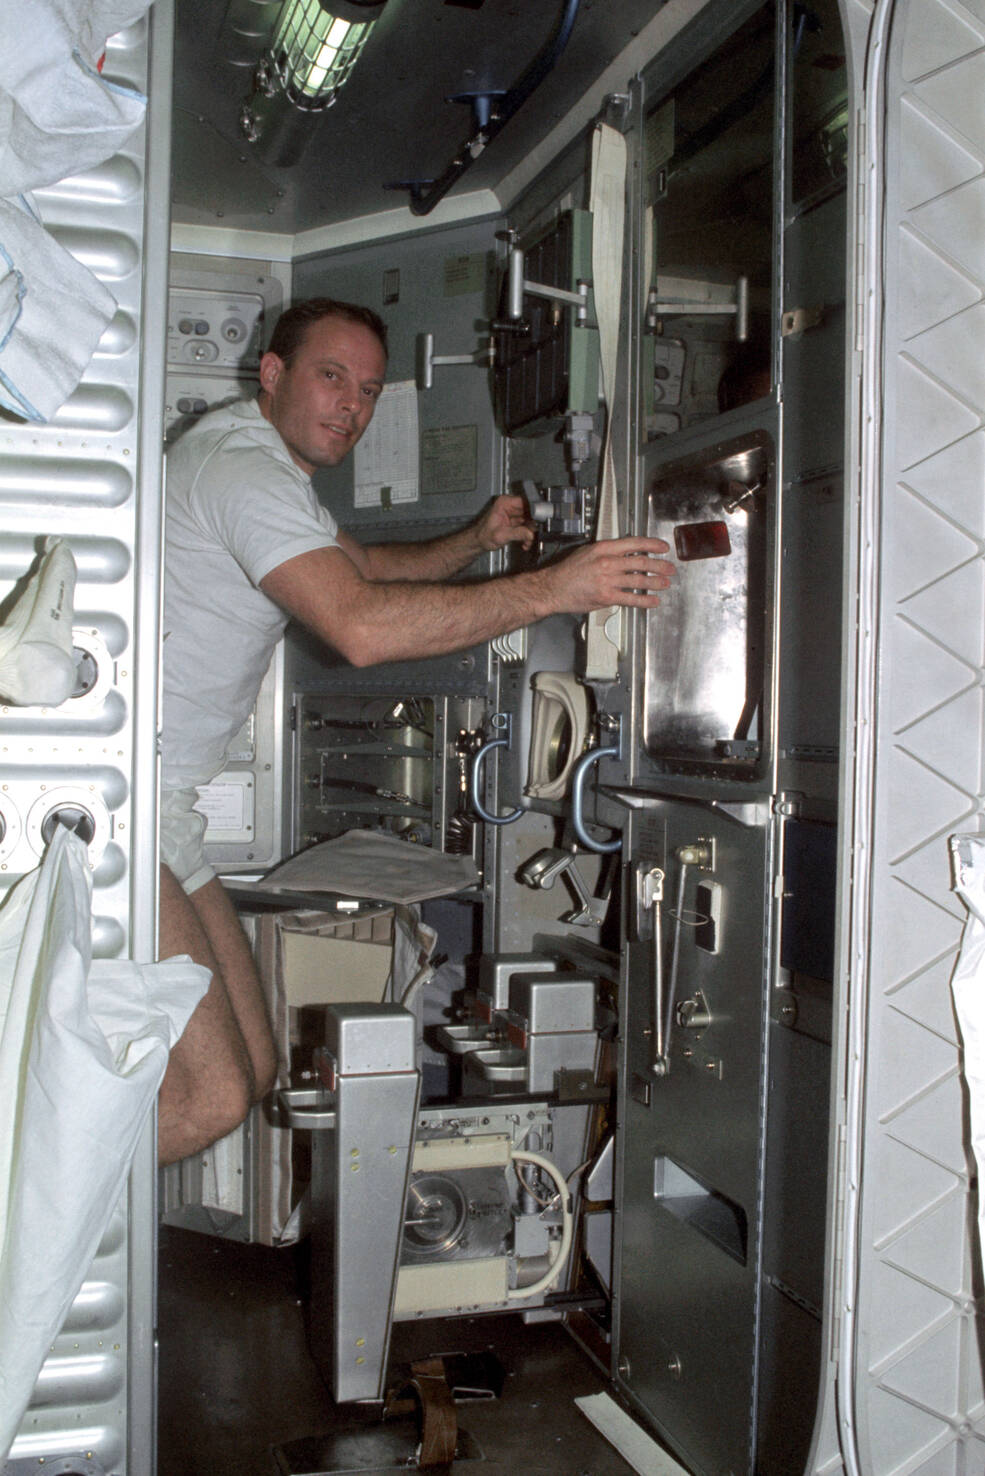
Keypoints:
pixel 366 863
pixel 386 459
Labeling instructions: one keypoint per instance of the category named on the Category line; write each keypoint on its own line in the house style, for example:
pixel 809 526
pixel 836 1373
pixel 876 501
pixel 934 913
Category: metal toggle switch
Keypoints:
pixel 693 1013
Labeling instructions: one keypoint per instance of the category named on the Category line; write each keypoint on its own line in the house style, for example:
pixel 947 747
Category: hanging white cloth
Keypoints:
pixel 968 992
pixel 83 1049
pixel 36 665
pixel 58 117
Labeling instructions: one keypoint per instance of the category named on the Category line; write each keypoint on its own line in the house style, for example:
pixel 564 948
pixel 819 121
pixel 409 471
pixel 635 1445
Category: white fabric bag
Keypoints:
pixel 968 991
pixel 83 1049
pixel 36 665
pixel 58 117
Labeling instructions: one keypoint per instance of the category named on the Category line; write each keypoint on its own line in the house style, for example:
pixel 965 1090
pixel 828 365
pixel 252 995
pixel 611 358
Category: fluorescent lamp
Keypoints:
pixel 315 47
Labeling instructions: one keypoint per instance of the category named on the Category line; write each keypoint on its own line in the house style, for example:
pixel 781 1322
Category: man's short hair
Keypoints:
pixel 293 324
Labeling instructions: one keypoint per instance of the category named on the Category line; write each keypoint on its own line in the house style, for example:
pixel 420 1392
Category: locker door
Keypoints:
pixel 691 1119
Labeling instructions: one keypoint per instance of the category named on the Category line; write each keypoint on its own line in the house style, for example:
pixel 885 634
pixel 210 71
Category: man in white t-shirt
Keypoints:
pixel 248 546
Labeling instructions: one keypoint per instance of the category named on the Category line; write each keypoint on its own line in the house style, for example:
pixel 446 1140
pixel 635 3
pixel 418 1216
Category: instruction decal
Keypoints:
pixel 449 459
pixel 386 458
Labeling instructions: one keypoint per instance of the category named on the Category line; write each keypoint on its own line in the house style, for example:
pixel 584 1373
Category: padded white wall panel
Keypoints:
pixel 93 476
pixel 918 1397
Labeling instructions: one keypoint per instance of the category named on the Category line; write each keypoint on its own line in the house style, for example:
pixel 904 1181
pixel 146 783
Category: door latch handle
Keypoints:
pixel 501 724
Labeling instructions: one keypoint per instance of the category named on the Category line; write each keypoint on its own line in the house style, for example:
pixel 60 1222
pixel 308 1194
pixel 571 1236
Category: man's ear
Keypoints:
pixel 271 369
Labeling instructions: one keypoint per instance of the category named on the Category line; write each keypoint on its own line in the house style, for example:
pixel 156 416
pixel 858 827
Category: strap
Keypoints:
pixel 603 628
pixel 429 1395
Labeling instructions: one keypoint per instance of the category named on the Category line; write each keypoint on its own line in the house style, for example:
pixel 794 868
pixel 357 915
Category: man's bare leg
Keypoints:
pixel 226 1059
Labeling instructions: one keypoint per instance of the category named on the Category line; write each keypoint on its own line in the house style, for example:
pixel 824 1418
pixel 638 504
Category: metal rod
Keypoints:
pixel 425 194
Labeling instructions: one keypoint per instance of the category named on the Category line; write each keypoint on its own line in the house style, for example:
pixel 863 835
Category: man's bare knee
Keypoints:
pixel 196 1109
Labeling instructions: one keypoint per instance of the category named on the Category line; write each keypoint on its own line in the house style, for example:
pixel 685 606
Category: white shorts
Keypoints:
pixel 183 839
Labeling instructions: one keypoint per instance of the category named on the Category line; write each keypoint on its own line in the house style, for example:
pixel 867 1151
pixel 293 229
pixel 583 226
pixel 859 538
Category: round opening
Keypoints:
pixel 437 1213
pixel 73 817
pixel 86 671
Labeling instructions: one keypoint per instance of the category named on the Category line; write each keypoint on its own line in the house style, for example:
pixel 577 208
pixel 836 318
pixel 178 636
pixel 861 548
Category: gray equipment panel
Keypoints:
pixel 689 1176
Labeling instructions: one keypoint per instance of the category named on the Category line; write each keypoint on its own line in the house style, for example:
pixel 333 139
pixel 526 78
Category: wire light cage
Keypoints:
pixel 315 47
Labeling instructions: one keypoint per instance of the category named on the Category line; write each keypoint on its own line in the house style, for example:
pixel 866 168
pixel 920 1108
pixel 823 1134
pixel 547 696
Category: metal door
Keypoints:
pixel 717 1318
pixel 691 1119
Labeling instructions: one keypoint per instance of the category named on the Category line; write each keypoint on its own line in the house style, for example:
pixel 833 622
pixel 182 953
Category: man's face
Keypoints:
pixel 323 398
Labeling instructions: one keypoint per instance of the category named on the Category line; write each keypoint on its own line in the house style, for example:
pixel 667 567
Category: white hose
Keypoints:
pixel 551 1275
pixel 423 976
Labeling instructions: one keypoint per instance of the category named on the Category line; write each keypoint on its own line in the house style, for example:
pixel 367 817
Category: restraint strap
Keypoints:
pixel 603 628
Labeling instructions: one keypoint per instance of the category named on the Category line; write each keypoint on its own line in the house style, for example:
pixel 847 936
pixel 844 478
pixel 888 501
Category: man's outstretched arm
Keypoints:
pixel 369 622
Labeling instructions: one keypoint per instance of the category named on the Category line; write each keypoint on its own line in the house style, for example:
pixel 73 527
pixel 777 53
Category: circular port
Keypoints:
pixel 201 327
pixel 186 325
pixel 73 817
pixel 233 330
pixel 94 668
pixel 86 671
pixel 79 809
pixel 437 1213
pixel 202 351
pixel 10 827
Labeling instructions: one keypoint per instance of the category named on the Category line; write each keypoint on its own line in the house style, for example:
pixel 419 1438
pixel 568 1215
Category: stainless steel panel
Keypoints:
pixel 359 1176
pixel 544 1005
pixel 707 698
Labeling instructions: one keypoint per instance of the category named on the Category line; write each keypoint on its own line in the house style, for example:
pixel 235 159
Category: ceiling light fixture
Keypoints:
pixel 313 49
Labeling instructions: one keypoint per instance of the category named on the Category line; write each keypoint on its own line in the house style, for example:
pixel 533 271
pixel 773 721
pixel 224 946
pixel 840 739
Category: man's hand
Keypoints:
pixel 615 571
pixel 505 520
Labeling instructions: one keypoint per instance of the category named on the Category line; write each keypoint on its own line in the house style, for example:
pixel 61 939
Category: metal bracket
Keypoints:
pixel 54 1466
pixel 668 299
pixel 543 869
pixel 517 285
pixel 579 1086
pixel 561 512
pixel 428 360
pixel 797 320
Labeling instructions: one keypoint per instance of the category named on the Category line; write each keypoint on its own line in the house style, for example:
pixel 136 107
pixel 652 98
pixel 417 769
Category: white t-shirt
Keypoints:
pixel 237 507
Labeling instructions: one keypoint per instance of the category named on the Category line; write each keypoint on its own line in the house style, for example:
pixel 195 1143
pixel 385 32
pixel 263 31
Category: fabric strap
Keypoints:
pixel 603 628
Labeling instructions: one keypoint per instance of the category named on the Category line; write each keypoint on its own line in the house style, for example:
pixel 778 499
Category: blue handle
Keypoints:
pixel 578 777
pixel 475 787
